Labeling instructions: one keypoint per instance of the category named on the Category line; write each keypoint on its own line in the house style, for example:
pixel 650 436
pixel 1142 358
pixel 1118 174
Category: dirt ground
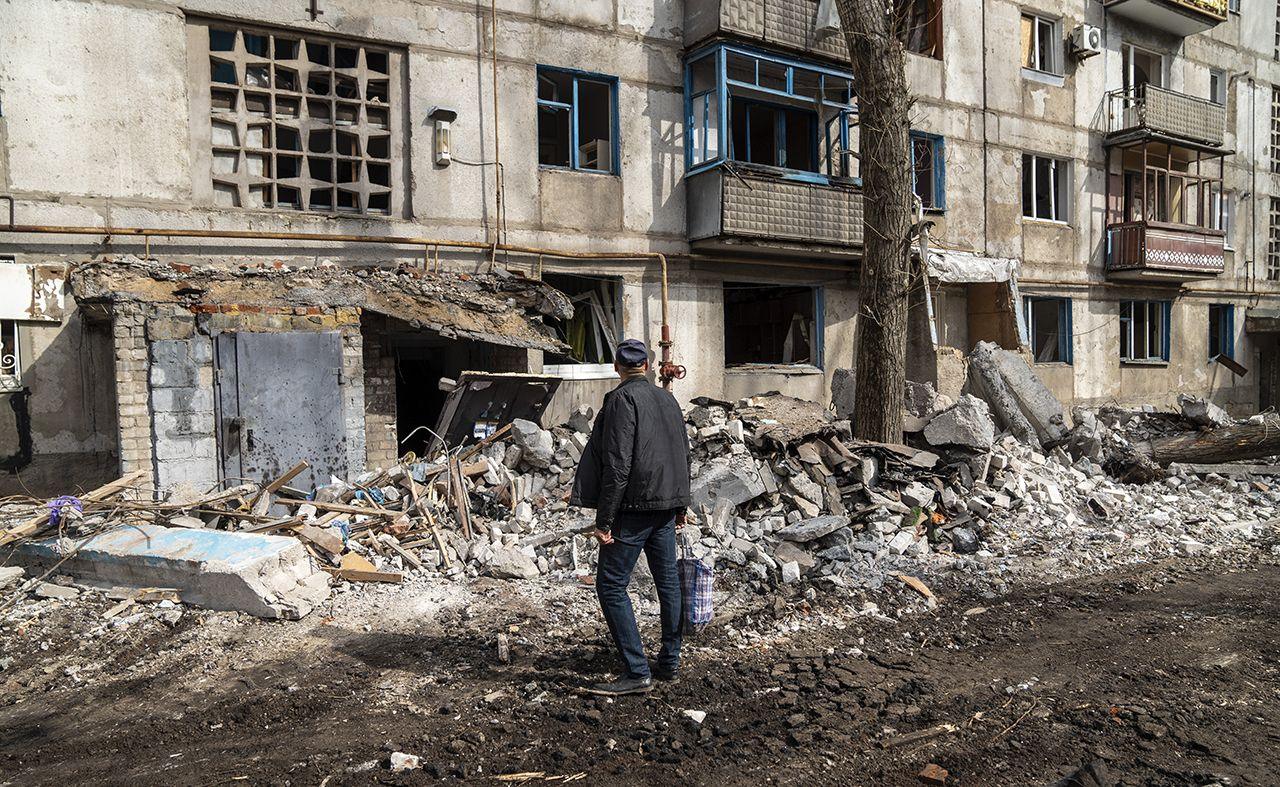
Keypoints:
pixel 1158 675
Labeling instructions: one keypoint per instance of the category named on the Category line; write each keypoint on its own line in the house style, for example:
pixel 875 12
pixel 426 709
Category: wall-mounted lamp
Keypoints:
pixel 442 118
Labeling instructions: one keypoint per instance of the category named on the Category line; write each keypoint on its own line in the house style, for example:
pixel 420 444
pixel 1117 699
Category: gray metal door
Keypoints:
pixel 279 402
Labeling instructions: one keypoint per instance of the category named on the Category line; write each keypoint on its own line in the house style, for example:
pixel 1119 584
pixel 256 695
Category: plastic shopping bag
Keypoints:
pixel 696 578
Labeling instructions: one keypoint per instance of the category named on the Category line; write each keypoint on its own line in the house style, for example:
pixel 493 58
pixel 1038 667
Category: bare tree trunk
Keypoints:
pixel 885 164
pixel 1224 444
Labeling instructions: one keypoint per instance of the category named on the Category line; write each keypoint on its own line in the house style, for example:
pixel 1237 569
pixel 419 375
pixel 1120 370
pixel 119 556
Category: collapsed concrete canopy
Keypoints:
pixel 498 308
pixel 962 267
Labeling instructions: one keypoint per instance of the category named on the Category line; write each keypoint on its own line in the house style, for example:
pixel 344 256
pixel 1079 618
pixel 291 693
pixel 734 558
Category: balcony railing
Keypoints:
pixel 760 208
pixel 788 24
pixel 1180 17
pixel 1155 109
pixel 1140 249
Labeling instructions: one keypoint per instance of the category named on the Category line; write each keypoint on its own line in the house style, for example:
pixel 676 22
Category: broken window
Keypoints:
pixel 1144 330
pixel 1049 329
pixel 919 24
pixel 1222 330
pixel 301 122
pixel 596 326
pixel 10 361
pixel 1041 44
pixel 577 120
pixel 768 324
pixel 1141 67
pixel 773 113
pixel 928 170
pixel 1046 187
pixel 1273 241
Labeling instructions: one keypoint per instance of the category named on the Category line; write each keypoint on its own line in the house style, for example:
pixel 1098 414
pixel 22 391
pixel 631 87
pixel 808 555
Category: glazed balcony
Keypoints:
pixel 1149 110
pixel 1180 17
pixel 1171 252
pixel 740 210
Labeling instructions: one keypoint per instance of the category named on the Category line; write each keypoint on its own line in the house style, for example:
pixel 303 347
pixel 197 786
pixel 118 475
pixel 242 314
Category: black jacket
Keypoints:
pixel 638 456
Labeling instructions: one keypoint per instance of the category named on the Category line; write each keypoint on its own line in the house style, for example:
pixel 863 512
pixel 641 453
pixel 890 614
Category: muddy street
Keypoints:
pixel 1159 675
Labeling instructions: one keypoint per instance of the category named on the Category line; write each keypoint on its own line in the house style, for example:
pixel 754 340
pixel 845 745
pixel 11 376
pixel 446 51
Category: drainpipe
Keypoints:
pixel 668 370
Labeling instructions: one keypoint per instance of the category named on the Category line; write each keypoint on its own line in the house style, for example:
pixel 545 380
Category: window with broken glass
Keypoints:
pixel 1049 328
pixel 929 170
pixel 302 122
pixel 1222 330
pixel 772 325
pixel 771 113
pixel 577 120
pixel 593 331
pixel 1046 188
pixel 1144 331
pixel 10 360
pixel 1042 45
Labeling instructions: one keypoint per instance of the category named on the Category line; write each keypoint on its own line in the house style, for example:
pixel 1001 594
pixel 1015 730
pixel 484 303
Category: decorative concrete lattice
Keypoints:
pixel 300 122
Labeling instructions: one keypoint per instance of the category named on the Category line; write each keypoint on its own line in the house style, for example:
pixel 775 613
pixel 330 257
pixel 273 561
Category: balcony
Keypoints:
pixel 1170 252
pixel 1147 111
pixel 787 24
pixel 1180 17
pixel 741 210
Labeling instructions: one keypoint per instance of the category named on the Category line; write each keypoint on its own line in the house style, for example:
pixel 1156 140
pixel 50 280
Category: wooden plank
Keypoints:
pixel 261 502
pixel 475 449
pixel 356 575
pixel 391 543
pixel 33 525
pixel 342 508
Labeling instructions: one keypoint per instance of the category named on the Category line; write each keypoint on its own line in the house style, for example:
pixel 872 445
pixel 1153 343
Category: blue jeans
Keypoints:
pixel 654 533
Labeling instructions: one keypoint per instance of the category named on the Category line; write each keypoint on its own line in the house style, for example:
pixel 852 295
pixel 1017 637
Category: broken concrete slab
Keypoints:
pixel 842 392
pixel 787 552
pixel 1203 412
pixel 986 382
pixel 733 482
pixel 966 423
pixel 1037 403
pixel 512 563
pixel 10 575
pixel 265 576
pixel 535 443
pixel 814 528
pixel 50 590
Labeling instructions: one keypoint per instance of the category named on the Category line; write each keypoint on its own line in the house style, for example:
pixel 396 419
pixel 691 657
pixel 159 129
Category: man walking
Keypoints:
pixel 635 473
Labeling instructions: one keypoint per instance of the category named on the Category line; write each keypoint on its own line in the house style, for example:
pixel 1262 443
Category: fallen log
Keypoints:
pixel 1234 443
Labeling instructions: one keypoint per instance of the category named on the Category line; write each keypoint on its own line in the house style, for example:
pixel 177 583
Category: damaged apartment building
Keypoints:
pixel 228 242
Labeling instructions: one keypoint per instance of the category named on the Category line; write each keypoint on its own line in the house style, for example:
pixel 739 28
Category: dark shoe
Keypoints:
pixel 622 686
pixel 666 674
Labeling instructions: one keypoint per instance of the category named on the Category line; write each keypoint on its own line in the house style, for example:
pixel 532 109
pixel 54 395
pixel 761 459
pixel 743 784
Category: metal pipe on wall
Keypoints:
pixel 668 370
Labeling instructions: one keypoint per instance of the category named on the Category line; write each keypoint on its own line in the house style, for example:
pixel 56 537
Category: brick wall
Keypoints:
pixel 182 418
pixel 128 334
pixel 380 429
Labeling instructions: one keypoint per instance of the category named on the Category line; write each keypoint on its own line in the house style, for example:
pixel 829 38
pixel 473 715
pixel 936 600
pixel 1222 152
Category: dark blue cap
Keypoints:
pixel 632 352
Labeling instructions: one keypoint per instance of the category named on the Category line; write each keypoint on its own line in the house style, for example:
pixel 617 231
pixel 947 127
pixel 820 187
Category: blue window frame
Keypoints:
pixel 1222 330
pixel 1049 328
pixel 577 120
pixel 929 170
pixel 1144 331
pixel 759 109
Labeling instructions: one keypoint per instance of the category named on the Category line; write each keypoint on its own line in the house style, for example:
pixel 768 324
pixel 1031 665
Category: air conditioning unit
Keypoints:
pixel 1086 41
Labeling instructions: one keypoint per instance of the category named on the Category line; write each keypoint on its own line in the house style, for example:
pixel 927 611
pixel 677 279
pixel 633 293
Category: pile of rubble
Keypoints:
pixel 782 493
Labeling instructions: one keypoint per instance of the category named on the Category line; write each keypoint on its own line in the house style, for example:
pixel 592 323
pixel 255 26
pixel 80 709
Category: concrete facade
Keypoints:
pixel 105 122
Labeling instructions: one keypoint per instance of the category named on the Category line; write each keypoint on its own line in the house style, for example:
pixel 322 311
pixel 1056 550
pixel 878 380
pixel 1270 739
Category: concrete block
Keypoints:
pixel 172 400
pixel 265 576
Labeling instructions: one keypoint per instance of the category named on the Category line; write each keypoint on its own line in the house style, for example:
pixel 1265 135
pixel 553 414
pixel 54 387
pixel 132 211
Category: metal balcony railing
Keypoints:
pixel 789 24
pixel 763 208
pixel 1163 111
pixel 1140 248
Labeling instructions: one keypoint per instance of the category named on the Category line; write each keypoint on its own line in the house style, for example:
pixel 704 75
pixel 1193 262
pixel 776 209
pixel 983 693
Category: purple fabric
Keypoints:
pixel 55 507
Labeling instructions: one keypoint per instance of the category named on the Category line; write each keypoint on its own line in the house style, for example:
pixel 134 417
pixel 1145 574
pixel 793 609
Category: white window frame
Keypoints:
pixel 1053 52
pixel 1127 52
pixel 1222 213
pixel 1060 173
pixel 1218 86
pixel 1155 312
pixel 11 365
